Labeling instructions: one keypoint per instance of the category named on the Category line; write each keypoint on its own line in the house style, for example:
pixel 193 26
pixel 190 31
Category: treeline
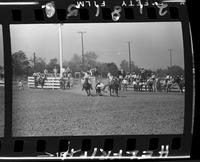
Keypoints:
pixel 24 66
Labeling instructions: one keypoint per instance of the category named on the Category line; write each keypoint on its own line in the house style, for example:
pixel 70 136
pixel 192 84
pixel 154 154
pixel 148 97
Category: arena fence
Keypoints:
pixel 50 83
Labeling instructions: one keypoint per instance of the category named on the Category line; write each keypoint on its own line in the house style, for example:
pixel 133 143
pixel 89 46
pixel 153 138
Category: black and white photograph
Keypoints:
pixel 97 79
pixel 2 85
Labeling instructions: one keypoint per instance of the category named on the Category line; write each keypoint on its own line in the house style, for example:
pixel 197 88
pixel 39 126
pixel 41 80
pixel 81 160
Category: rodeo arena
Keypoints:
pixel 90 81
pixel 84 103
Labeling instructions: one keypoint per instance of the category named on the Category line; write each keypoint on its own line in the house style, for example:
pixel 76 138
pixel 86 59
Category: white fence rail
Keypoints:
pixel 50 83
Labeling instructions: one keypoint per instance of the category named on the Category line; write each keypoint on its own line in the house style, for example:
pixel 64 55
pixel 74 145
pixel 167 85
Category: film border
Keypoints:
pixel 25 15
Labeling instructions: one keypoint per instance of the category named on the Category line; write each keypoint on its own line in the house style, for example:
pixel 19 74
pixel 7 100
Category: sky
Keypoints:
pixel 149 42
pixel 1 47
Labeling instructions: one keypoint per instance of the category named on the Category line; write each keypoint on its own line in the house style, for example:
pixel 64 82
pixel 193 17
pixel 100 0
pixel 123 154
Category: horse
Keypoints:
pixel 158 85
pixel 180 82
pixel 181 85
pixel 137 85
pixel 114 86
pixel 149 84
pixel 87 86
pixel 62 83
pixel 68 83
pixel 120 81
pixel 39 80
pixel 168 85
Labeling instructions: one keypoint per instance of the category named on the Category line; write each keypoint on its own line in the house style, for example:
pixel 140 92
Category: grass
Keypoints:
pixel 38 112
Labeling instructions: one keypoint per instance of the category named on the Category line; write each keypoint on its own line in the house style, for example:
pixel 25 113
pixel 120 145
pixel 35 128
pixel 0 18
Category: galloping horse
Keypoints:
pixel 87 86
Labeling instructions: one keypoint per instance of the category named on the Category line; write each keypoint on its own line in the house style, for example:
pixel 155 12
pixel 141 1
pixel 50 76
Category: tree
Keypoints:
pixel 40 65
pixel 65 64
pixel 90 59
pixel 112 68
pixel 104 70
pixel 125 66
pixel 175 70
pixel 161 72
pixel 20 64
pixel 75 63
pixel 52 64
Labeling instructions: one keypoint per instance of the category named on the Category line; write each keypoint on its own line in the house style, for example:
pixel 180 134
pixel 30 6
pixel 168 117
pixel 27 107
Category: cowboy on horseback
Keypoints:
pixel 168 82
pixel 113 84
pixel 110 77
pixel 87 86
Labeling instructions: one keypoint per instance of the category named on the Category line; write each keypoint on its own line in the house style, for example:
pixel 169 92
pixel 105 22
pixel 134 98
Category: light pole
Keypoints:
pixel 60 48
pixel 81 32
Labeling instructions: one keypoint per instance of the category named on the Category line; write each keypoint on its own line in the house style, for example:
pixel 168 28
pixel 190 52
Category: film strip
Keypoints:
pixel 31 141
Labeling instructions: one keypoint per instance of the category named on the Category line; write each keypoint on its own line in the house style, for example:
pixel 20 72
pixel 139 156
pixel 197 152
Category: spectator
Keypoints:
pixel 55 71
pixel 45 72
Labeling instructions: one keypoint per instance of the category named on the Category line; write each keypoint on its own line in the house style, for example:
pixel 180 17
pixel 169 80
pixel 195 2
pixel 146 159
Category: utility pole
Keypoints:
pixel 170 56
pixel 34 58
pixel 129 49
pixel 81 32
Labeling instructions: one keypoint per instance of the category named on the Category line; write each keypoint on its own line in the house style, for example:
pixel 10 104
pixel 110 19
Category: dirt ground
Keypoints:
pixel 38 112
pixel 2 109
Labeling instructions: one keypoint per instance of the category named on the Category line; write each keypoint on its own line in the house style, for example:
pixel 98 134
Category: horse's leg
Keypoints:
pixel 86 92
pixel 181 88
pixel 110 91
pixel 42 83
pixel 116 91
pixel 89 92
